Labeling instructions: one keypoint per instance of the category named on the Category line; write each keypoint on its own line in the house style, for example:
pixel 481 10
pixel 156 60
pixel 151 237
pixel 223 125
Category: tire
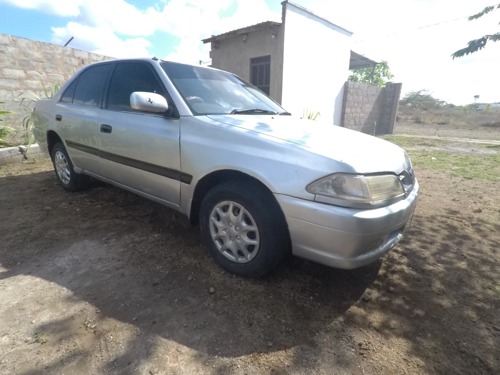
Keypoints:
pixel 63 167
pixel 254 239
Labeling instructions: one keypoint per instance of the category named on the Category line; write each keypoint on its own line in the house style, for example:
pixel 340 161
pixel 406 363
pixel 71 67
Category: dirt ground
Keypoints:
pixel 105 282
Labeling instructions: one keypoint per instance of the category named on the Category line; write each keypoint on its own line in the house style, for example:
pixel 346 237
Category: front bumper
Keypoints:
pixel 343 237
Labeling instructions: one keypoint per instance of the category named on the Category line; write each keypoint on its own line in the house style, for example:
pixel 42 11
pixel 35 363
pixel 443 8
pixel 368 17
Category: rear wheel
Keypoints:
pixel 66 175
pixel 244 228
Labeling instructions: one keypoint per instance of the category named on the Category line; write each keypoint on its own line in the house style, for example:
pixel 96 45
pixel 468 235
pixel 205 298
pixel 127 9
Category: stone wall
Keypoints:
pixel 370 109
pixel 29 68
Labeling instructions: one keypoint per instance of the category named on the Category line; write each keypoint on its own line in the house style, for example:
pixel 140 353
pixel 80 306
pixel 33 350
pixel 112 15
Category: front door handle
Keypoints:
pixel 106 128
pixel 58 117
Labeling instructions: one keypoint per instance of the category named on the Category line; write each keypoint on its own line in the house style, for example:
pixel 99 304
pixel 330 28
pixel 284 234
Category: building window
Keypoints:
pixel 260 72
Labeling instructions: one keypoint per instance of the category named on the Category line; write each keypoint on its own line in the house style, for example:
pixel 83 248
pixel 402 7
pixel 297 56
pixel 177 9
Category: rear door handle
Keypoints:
pixel 106 128
pixel 58 117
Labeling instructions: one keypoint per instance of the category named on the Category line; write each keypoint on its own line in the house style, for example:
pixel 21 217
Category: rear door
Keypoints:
pixel 77 116
pixel 138 149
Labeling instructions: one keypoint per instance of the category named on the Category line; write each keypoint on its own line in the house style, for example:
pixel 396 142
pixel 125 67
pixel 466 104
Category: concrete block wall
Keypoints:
pixel 370 109
pixel 27 66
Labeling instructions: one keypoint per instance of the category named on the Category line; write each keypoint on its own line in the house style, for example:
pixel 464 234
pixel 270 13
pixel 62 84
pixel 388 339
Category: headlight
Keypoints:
pixel 359 191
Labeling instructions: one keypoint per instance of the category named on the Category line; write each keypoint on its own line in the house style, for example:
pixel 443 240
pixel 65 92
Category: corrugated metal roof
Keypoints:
pixel 358 61
pixel 244 30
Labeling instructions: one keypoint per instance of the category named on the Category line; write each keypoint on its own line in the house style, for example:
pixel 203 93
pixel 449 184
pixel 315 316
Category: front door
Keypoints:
pixel 139 150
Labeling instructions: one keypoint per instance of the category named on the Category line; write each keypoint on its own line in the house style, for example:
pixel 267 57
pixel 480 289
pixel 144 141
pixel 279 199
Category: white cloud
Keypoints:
pixel 118 28
pixel 120 16
pixel 69 8
pixel 416 37
pixel 100 40
pixel 193 21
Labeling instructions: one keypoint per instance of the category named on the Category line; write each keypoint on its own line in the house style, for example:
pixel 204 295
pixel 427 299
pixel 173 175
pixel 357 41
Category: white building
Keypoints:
pixel 302 62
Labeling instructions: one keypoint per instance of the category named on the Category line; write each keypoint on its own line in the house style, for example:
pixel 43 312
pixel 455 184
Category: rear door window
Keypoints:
pixel 90 86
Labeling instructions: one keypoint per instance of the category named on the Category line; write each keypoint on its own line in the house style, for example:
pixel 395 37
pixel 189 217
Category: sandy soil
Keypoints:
pixel 103 281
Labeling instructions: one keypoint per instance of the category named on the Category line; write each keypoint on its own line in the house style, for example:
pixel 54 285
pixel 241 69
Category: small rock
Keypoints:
pixel 384 299
pixel 392 289
pixel 366 297
pixel 419 313
pixel 190 278
pixel 211 290
pixel 269 344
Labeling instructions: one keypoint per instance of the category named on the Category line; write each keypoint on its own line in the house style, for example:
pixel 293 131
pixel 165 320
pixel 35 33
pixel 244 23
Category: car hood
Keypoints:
pixel 362 152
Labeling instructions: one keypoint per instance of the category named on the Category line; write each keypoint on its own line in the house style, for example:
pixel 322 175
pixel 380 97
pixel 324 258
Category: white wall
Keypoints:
pixel 315 64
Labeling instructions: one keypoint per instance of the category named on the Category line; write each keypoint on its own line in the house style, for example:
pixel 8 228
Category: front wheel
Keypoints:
pixel 244 228
pixel 66 175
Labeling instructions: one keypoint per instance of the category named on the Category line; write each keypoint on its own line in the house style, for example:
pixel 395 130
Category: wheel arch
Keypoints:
pixel 217 177
pixel 52 139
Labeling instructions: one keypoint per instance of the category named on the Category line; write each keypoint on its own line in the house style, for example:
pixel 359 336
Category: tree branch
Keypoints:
pixel 476 45
pixel 483 12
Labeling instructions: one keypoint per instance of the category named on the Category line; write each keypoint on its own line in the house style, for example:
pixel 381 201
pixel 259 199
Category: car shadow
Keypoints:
pixel 142 264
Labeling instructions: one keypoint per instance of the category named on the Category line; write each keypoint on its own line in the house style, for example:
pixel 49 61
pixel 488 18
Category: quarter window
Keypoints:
pixel 260 72
pixel 68 94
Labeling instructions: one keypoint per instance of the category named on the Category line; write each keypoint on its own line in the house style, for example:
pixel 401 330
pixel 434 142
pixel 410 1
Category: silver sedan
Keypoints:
pixel 260 183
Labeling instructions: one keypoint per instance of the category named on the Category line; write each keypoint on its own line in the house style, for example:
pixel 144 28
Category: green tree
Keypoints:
pixel 421 99
pixel 478 44
pixel 379 75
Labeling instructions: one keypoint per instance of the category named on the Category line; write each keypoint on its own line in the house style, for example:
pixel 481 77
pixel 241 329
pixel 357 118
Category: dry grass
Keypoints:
pixel 459 159
pixel 459 122
pixel 456 116
pixel 460 141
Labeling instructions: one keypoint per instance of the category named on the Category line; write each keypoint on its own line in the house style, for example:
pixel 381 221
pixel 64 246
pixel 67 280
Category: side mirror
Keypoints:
pixel 148 102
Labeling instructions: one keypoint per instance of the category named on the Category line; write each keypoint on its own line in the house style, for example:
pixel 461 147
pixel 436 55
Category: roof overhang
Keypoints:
pixel 358 61
pixel 268 25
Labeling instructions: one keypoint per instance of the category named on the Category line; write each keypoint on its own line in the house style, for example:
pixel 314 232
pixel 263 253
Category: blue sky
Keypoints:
pixel 416 37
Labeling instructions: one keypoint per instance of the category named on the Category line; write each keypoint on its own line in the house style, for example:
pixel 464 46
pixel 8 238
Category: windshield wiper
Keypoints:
pixel 252 111
pixel 285 113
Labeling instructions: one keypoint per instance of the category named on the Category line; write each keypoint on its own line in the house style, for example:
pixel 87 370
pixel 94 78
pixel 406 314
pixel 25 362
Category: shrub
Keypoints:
pixel 4 130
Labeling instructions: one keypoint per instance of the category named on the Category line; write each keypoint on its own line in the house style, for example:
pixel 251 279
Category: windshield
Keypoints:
pixel 210 92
